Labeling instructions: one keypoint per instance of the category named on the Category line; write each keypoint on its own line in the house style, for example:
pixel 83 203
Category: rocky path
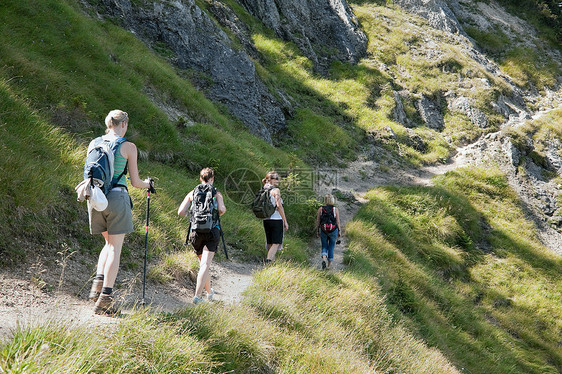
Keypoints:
pixel 25 303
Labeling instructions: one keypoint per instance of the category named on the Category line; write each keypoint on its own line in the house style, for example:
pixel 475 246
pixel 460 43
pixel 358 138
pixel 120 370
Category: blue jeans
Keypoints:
pixel 328 243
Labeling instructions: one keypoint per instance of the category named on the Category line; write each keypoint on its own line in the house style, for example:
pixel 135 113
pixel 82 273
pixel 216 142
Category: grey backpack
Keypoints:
pixel 262 205
pixel 204 215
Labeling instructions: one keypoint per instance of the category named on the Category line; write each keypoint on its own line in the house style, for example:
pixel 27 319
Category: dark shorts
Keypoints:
pixel 117 218
pixel 273 231
pixel 209 240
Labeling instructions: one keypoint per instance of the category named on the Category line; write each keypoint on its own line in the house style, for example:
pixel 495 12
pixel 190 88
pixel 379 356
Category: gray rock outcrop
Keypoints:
pixel 324 30
pixel 430 113
pixel 399 113
pixel 467 107
pixel 438 14
pixel 229 75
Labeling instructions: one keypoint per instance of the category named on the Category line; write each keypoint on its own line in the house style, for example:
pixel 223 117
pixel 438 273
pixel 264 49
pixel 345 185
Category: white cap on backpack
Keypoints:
pixel 98 201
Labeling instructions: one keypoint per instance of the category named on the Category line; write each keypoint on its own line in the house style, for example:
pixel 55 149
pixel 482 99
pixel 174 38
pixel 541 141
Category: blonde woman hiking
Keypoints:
pixel 116 220
pixel 328 229
pixel 276 224
pixel 206 205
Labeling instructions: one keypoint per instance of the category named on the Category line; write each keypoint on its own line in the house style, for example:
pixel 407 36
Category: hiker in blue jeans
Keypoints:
pixel 328 229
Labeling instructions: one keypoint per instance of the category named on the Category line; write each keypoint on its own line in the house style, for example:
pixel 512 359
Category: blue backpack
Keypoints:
pixel 99 163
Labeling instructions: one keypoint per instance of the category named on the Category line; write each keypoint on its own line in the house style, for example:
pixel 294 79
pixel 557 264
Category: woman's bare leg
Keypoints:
pixel 110 258
pixel 273 248
pixel 203 275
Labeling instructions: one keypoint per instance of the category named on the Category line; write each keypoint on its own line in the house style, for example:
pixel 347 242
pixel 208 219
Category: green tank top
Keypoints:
pixel 119 164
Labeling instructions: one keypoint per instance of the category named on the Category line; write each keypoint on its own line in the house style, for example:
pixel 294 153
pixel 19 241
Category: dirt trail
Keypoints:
pixel 26 302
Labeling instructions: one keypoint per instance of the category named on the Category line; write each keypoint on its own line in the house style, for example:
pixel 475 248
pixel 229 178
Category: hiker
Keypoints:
pixel 117 219
pixel 276 224
pixel 328 229
pixel 205 241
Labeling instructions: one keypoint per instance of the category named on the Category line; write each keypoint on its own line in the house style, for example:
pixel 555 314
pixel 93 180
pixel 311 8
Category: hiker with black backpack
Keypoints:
pixel 328 229
pixel 205 205
pixel 275 224
pixel 108 159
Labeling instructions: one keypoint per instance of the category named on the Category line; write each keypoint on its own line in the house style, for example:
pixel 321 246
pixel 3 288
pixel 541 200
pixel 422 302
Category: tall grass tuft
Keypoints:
pixel 137 345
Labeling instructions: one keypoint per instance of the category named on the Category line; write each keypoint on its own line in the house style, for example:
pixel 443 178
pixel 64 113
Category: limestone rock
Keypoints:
pixel 437 13
pixel 467 107
pixel 430 113
pixel 324 30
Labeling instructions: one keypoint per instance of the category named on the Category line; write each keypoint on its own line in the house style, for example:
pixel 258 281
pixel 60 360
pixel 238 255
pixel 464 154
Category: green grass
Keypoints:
pixel 293 319
pixel 460 265
pixel 54 99
pixel 418 295
pixel 134 347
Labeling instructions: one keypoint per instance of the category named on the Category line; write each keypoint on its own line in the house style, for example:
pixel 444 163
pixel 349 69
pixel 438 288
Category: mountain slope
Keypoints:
pixel 428 285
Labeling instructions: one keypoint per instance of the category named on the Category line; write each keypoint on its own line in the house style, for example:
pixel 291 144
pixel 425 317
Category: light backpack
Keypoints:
pixel 204 215
pixel 328 222
pixel 99 167
pixel 262 205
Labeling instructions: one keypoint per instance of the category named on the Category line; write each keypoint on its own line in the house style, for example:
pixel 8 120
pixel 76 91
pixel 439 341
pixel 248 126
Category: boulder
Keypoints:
pixel 467 107
pixel 430 113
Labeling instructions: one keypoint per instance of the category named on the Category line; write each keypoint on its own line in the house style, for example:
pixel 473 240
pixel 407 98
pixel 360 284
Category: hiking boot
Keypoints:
pixel 105 305
pixel 95 291
pixel 197 300
pixel 211 295
pixel 323 264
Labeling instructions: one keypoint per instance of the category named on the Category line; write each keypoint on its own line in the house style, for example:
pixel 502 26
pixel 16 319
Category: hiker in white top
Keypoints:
pixel 276 224
pixel 116 220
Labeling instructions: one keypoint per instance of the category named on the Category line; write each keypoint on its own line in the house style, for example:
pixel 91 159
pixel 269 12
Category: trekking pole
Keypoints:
pixel 148 191
pixel 188 232
pixel 222 237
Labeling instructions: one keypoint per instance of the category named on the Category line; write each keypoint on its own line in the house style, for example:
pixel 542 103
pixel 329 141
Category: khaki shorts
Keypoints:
pixel 116 219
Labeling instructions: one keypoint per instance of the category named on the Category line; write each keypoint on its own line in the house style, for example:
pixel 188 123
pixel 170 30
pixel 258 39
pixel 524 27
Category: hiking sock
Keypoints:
pixel 107 290
pixel 99 277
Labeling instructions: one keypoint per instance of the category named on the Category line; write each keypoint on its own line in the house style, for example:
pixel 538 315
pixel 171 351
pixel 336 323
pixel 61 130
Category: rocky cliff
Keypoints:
pixel 324 29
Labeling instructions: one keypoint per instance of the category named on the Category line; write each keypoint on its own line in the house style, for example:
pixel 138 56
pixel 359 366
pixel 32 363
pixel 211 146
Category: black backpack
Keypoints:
pixel 204 216
pixel 328 222
pixel 262 205
pixel 99 163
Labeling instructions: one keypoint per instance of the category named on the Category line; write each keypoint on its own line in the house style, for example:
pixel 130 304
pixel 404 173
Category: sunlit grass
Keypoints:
pixel 137 345
pixel 460 264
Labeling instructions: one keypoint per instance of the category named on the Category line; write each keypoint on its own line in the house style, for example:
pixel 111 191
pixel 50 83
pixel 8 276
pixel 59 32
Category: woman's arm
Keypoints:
pixel 185 205
pixel 220 204
pixel 276 192
pixel 129 151
pixel 338 220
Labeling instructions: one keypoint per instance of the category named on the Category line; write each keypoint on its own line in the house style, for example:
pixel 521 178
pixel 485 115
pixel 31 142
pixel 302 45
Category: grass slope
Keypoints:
pixel 412 288
pixel 462 267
